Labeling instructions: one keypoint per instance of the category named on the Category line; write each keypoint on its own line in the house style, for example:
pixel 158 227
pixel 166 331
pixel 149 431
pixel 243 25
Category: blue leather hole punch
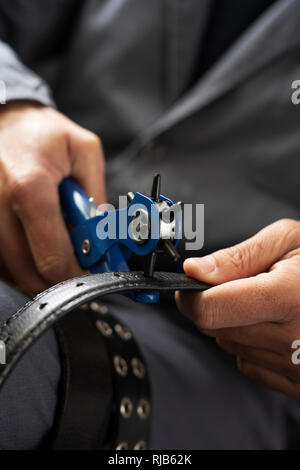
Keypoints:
pixel 147 226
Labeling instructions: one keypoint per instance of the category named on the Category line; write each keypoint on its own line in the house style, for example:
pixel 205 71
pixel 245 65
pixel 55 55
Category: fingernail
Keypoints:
pixel 206 264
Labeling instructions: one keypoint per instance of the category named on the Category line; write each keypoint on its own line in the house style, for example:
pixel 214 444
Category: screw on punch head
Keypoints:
pixel 149 264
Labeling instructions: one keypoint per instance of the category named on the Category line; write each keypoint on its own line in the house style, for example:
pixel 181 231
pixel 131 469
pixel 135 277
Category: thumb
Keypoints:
pixel 251 257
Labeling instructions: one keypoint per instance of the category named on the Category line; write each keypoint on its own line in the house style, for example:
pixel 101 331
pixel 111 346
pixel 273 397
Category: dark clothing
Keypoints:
pixel 230 141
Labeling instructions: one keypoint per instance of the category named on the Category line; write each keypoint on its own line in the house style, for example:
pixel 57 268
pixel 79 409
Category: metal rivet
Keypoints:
pixel 120 365
pixel 138 367
pixel 141 445
pixel 86 247
pixel 126 407
pixel 143 409
pixel 104 327
pixel 99 308
pixel 123 332
pixel 122 446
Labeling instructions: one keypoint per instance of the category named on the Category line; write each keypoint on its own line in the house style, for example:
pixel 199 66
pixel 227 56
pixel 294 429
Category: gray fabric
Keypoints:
pixel 274 34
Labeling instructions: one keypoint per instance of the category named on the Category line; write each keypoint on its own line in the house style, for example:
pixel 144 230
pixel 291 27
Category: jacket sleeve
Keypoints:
pixel 33 31
pixel 19 82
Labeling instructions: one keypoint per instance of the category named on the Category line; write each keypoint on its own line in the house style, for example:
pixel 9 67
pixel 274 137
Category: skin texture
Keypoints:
pixel 38 148
pixel 254 309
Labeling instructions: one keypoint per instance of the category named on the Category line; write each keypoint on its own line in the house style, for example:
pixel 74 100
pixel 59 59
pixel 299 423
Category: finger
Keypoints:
pixel 251 257
pixel 237 303
pixel 269 378
pixel 16 256
pixel 268 336
pixel 88 166
pixel 35 201
pixel 277 363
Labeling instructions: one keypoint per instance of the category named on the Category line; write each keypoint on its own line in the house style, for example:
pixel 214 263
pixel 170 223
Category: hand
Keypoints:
pixel 254 309
pixel 38 148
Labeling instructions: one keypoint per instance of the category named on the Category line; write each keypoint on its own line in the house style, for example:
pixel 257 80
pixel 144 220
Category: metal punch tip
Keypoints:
pixel 149 266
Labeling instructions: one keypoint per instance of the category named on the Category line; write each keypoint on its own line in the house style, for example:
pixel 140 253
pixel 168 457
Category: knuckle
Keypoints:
pixel 244 367
pixel 291 371
pixel 28 281
pixel 287 223
pixel 289 300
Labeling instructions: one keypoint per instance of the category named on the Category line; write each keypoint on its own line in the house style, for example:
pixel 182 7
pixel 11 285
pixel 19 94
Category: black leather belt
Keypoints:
pixel 49 307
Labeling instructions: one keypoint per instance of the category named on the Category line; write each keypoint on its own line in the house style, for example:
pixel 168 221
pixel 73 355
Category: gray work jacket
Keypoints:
pixel 121 69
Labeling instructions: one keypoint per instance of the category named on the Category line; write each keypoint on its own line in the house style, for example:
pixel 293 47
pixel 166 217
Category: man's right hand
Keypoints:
pixel 38 148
